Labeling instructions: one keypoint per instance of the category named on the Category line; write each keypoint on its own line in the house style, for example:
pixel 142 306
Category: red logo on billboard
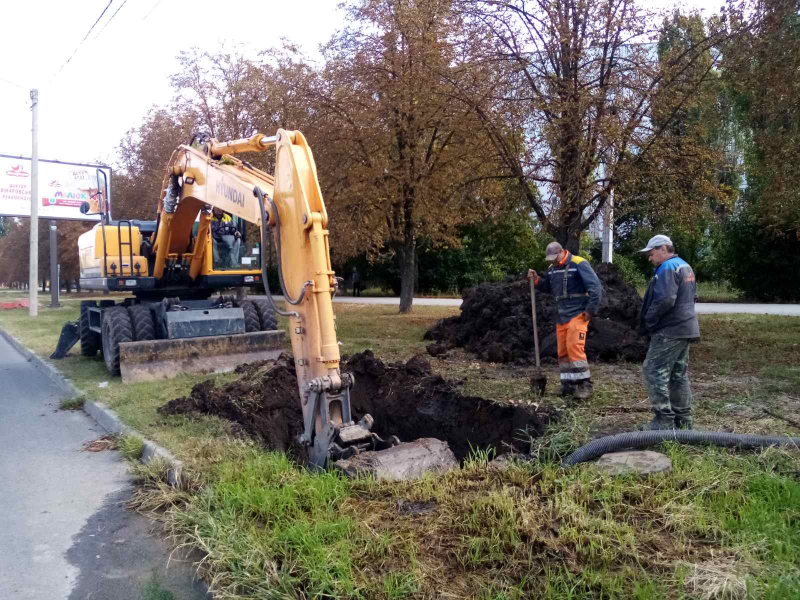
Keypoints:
pixel 17 171
pixel 55 183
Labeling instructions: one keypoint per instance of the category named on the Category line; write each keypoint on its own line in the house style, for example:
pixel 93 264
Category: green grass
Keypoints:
pixel 130 446
pixel 72 403
pixel 718 521
pixel 152 590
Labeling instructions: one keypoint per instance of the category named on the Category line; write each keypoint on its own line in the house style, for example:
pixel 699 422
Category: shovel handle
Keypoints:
pixel 535 330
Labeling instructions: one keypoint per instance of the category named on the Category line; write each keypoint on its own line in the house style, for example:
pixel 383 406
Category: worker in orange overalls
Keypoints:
pixel 578 292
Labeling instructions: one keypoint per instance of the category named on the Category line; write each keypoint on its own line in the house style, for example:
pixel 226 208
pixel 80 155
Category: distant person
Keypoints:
pixel 356 282
pixel 578 292
pixel 225 239
pixel 669 318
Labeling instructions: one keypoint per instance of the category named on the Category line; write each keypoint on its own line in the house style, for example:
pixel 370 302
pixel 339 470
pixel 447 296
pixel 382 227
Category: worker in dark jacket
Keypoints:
pixel 669 318
pixel 578 292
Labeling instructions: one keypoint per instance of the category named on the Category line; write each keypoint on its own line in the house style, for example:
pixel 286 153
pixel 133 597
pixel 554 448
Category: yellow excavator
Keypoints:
pixel 171 267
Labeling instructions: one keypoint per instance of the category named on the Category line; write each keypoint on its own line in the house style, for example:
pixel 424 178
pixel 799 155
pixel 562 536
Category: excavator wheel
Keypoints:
pixel 267 316
pixel 117 328
pixel 90 340
pixel 144 327
pixel 252 323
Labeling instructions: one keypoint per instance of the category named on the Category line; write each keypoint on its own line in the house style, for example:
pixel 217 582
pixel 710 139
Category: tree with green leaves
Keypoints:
pixel 589 98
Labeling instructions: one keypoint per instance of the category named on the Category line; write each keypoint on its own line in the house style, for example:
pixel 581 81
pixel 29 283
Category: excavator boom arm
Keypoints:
pixel 198 178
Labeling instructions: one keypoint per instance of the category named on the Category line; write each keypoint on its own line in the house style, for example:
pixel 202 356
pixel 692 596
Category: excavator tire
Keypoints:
pixel 251 321
pixel 90 340
pixel 117 329
pixel 144 327
pixel 267 316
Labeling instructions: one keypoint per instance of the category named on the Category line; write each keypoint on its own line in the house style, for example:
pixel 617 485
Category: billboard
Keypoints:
pixel 63 187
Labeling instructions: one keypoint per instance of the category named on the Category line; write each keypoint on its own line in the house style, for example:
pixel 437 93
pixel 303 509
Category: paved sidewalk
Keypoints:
pixel 703 308
pixel 65 532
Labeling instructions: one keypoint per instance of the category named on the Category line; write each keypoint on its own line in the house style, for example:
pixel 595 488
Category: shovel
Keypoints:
pixel 539 379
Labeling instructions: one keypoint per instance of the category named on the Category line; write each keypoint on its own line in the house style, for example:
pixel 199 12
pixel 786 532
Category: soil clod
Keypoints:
pixel 495 322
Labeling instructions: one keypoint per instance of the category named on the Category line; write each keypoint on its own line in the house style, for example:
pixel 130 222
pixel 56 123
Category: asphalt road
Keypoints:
pixel 64 532
pixel 704 308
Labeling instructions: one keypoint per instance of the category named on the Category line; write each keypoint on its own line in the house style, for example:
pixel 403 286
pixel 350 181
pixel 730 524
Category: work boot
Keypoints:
pixel 683 422
pixel 659 422
pixel 584 389
pixel 567 389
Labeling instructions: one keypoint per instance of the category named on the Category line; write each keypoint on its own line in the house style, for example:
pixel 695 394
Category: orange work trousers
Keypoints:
pixel 571 337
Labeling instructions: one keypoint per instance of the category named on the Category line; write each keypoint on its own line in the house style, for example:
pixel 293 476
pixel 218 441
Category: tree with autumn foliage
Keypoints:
pixel 401 156
pixel 590 98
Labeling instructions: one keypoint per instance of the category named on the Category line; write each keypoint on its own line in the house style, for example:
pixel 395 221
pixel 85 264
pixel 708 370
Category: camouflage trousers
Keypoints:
pixel 666 376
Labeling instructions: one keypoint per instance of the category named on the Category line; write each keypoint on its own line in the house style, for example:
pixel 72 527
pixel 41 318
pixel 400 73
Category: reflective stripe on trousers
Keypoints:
pixel 571 338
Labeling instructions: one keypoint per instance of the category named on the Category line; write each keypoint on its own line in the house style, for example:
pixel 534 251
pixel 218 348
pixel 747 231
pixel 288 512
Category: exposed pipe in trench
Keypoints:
pixel 644 439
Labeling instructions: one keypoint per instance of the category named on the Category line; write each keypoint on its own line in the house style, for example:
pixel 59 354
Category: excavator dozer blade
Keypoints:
pixel 164 359
pixel 409 460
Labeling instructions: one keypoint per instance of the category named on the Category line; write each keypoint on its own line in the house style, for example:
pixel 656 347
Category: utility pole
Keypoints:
pixel 608 229
pixel 55 281
pixel 33 273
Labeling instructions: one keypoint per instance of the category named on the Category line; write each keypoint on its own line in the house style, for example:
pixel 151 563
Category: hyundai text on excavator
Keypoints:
pixel 171 325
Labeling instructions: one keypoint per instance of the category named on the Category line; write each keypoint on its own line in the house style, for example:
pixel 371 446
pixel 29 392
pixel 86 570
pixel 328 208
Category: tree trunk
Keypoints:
pixel 78 285
pixel 44 285
pixel 408 261
pixel 571 240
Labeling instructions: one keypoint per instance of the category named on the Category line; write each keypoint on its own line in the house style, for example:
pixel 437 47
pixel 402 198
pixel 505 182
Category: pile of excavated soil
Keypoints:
pixel 405 399
pixel 263 403
pixel 495 323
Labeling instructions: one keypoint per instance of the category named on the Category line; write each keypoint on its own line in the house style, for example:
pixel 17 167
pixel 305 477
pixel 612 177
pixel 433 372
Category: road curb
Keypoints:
pixel 102 414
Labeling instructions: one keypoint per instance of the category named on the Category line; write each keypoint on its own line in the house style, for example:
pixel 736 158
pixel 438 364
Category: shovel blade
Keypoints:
pixel 539 383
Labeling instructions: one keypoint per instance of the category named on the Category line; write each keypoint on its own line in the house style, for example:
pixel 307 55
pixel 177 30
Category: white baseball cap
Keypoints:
pixel 657 241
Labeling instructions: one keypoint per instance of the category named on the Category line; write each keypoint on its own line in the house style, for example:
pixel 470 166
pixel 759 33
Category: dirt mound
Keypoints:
pixel 263 403
pixel 405 399
pixel 495 322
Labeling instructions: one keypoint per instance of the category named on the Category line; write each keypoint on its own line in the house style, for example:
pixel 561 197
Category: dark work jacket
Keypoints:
pixel 668 305
pixel 584 290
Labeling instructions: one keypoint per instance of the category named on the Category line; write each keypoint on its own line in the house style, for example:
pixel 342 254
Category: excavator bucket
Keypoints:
pixel 164 359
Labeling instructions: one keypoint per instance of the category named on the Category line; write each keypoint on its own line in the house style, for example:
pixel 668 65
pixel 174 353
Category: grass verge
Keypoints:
pixel 720 524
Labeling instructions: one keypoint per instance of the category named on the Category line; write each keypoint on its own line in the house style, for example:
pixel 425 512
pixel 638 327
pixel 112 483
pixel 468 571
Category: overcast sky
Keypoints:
pixel 122 68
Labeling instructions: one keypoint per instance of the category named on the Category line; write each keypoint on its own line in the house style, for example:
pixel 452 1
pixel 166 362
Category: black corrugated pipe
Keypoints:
pixel 644 439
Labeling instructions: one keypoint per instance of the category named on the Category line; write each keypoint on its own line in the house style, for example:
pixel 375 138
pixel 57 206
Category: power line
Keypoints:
pixel 83 40
pixel 149 12
pixel 15 84
pixel 111 19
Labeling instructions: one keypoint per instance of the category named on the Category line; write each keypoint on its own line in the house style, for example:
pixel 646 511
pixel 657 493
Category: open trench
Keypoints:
pixel 406 399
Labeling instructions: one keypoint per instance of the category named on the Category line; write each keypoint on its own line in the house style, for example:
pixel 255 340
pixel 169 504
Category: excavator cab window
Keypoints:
pixel 230 245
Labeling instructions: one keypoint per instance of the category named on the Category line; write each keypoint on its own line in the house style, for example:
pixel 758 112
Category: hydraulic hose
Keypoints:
pixel 644 439
pixel 257 193
pixel 289 299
